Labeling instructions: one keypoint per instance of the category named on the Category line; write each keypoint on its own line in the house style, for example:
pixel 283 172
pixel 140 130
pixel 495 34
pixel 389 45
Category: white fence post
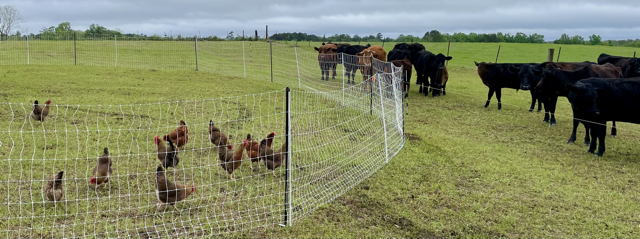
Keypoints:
pixel 342 57
pixel 244 65
pixel 116 44
pixel 384 121
pixel 295 50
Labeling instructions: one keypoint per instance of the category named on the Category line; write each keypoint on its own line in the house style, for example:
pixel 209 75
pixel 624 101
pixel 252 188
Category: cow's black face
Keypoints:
pixel 583 99
pixel 440 60
pixel 634 63
pixel 526 75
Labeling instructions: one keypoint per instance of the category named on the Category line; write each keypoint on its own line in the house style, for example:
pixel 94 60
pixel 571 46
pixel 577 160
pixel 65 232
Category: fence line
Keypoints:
pixel 333 134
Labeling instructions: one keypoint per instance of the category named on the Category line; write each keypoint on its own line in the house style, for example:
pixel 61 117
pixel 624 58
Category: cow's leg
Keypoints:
pixel 594 139
pixel 334 66
pixel 601 133
pixel 572 139
pixel 587 140
pixel 539 104
pixel 444 89
pixel 547 108
pixel 552 113
pixel 614 131
pixel 499 96
pixel 489 96
pixel 533 102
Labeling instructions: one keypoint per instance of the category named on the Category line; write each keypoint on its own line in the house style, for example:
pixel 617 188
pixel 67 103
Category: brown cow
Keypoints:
pixel 327 59
pixel 365 57
pixel 406 74
pixel 440 84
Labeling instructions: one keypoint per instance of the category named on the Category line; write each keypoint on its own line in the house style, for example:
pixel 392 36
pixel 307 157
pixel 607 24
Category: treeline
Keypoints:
pixel 64 32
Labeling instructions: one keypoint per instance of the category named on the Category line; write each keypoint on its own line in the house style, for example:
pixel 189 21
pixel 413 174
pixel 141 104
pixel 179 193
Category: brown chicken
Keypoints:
pixel 40 113
pixel 272 160
pixel 102 171
pixel 53 189
pixel 231 161
pixel 253 151
pixel 169 192
pixel 217 137
pixel 179 136
pixel 168 157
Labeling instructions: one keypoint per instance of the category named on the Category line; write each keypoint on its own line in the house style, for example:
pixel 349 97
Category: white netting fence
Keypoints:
pixel 339 135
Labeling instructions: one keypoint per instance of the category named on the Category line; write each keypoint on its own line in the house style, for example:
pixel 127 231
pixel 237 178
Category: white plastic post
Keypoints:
pixel 27 49
pixel 116 44
pixel 289 163
pixel 244 65
pixel 384 121
pixel 342 57
pixel 295 50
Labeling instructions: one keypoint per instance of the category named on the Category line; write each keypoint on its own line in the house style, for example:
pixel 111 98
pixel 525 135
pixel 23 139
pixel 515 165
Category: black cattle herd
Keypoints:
pixel 606 90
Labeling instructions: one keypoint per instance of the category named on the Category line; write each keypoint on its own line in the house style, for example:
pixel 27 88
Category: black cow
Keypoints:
pixel 500 75
pixel 400 51
pixel 598 100
pixel 528 79
pixel 630 66
pixel 553 81
pixel 350 61
pixel 428 66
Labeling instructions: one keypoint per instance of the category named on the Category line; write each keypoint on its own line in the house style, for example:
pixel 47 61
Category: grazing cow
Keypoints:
pixel 400 51
pixel 327 59
pixel 499 75
pixel 528 78
pixel 427 66
pixel 406 74
pixel 630 66
pixel 440 84
pixel 365 59
pixel 598 100
pixel 553 81
pixel 351 61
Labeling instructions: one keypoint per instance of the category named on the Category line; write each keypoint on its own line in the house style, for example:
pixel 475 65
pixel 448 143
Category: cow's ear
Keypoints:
pixel 477 64
pixel 448 58
pixel 323 43
pixel 571 87
pixel 315 48
pixel 359 54
pixel 334 50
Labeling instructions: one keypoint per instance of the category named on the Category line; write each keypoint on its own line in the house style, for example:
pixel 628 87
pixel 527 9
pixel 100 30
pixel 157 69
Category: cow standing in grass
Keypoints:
pixel 499 75
pixel 428 65
pixel 350 61
pixel 630 66
pixel 327 59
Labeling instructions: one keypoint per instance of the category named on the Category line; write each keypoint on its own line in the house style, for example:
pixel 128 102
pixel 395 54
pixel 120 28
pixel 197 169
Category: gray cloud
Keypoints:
pixel 611 19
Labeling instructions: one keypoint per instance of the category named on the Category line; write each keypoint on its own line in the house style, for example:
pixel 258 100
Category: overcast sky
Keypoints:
pixel 617 19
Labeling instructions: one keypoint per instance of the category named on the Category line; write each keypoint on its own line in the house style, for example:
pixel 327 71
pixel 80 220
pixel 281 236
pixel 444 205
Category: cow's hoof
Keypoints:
pixel 552 125
pixel 545 121
pixel 599 155
pixel 571 141
pixel 591 151
pixel 530 110
pixel 587 143
pixel 539 110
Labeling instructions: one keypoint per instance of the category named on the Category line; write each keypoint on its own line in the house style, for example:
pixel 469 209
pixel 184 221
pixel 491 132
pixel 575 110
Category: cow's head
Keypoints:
pixel 401 46
pixel 364 57
pixel 327 52
pixel 526 75
pixel 583 98
pixel 439 60
pixel 634 64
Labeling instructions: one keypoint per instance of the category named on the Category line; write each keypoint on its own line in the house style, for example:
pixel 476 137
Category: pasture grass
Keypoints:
pixel 465 171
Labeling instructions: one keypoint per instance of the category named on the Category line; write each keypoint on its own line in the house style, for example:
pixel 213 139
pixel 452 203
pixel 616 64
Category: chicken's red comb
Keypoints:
pixel 230 146
pixel 48 102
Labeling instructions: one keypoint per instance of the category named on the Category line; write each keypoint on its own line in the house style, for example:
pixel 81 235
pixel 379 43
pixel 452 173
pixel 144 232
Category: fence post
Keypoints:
pixel 498 53
pixel 195 43
pixel 27 49
pixel 371 88
pixel 271 57
pixel 288 177
pixel 342 57
pixel 384 122
pixel 244 65
pixel 116 44
pixel 559 50
pixel 295 50
pixel 75 54
pixel 550 56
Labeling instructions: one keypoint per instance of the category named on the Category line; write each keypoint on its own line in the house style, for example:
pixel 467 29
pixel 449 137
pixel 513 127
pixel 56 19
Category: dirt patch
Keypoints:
pixel 413 137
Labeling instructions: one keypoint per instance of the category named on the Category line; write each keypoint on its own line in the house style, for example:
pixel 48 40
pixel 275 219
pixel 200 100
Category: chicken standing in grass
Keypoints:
pixel 54 189
pixel 40 113
pixel 179 136
pixel 169 192
pixel 253 151
pixel 168 157
pixel 103 170
pixel 231 161
pixel 271 159
pixel 216 136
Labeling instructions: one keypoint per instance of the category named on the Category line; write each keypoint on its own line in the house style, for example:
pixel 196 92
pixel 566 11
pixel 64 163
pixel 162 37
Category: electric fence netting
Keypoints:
pixel 328 136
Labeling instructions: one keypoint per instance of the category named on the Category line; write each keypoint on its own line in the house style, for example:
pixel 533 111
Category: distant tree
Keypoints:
pixel 521 38
pixel 410 38
pixel 401 38
pixel 230 36
pixel 379 36
pixel 595 39
pixel 536 38
pixel 63 27
pixel 577 39
pixel 10 18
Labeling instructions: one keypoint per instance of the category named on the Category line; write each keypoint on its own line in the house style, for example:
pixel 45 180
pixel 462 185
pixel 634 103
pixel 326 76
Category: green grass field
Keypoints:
pixel 465 171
